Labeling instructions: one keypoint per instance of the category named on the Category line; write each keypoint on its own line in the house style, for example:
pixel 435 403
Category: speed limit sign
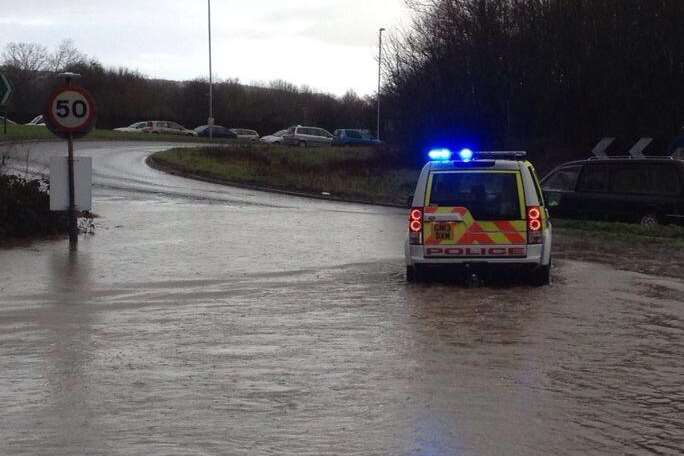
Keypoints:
pixel 70 112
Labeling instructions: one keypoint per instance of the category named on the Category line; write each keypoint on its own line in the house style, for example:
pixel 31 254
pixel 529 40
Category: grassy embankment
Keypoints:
pixel 18 133
pixel 368 175
pixel 352 174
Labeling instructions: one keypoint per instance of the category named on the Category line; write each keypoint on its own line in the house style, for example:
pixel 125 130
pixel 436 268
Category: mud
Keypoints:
pixel 206 320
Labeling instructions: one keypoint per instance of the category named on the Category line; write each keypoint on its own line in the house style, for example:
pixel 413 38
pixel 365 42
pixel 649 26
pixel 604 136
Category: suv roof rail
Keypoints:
pixel 630 157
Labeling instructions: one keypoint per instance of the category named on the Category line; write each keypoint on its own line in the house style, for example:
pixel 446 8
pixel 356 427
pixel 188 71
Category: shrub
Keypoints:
pixel 25 210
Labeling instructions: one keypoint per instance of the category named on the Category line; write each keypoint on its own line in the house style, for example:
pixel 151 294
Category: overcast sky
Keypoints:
pixel 329 45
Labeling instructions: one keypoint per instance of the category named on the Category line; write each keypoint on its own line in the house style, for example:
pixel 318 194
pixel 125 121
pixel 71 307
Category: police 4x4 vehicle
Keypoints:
pixel 481 210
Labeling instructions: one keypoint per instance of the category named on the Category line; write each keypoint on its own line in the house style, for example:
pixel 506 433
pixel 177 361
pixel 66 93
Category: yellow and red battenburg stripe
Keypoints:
pixel 472 232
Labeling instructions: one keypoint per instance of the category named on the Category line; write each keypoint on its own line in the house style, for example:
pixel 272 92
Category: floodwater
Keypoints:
pixel 205 320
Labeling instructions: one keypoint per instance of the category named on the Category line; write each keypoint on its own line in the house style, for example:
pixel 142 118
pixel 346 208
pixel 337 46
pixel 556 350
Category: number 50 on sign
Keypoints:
pixel 70 111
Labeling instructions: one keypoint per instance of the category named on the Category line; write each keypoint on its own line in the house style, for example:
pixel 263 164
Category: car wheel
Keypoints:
pixel 649 220
pixel 415 274
pixel 541 276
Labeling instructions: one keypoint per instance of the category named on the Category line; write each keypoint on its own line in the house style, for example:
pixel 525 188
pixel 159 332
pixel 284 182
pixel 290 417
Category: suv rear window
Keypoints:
pixel 487 195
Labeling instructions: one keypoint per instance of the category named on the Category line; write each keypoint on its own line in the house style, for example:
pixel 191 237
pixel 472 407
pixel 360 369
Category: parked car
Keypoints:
pixel 244 134
pixel 275 138
pixel 307 136
pixel 648 191
pixel 37 121
pixel 138 127
pixel 171 128
pixel 349 137
pixel 217 132
pixel 160 127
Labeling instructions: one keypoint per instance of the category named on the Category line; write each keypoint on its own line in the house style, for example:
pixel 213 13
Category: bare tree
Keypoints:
pixel 28 57
pixel 66 55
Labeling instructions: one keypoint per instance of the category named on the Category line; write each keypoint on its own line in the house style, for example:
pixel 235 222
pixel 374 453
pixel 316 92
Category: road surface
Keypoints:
pixel 204 320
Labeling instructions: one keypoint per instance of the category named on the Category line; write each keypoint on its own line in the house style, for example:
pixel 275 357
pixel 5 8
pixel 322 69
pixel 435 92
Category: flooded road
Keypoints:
pixel 203 320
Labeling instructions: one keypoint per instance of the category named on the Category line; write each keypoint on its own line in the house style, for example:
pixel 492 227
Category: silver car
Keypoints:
pixel 245 135
pixel 161 127
pixel 307 136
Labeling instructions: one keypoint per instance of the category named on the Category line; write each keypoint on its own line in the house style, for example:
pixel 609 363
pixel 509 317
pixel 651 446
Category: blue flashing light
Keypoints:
pixel 440 154
pixel 466 155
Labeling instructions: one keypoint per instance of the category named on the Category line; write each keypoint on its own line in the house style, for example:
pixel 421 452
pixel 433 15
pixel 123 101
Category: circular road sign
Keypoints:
pixel 70 111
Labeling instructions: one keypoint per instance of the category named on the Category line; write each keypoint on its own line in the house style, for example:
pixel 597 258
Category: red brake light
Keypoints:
pixel 416 225
pixel 534 225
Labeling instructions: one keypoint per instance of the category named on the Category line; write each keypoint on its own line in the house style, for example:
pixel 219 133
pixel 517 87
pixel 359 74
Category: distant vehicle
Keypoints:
pixel 275 138
pixel 307 136
pixel 170 128
pixel 37 121
pixel 160 127
pixel 484 210
pixel 648 191
pixel 349 137
pixel 244 134
pixel 217 132
pixel 138 127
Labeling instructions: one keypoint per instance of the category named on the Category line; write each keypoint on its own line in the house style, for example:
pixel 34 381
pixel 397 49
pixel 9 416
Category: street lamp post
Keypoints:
pixel 379 77
pixel 210 121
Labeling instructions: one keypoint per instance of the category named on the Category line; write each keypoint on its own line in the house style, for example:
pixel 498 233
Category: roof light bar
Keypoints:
pixel 466 155
pixel 440 154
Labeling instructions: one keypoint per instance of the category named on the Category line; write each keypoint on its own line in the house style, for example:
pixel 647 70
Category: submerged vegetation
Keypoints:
pixel 25 210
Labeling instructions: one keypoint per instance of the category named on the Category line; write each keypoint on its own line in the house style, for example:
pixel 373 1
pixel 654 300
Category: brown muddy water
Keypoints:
pixel 204 320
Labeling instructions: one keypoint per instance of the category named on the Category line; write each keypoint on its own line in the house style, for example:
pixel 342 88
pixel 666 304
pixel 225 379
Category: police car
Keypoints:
pixel 478 211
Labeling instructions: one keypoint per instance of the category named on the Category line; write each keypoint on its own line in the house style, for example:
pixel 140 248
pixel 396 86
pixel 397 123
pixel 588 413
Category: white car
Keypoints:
pixel 138 127
pixel 245 135
pixel 37 121
pixel 480 211
pixel 160 127
pixel 275 138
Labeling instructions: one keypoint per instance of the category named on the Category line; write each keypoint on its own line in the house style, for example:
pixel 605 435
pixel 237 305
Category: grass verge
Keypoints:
pixel 364 175
pixel 656 251
pixel 36 133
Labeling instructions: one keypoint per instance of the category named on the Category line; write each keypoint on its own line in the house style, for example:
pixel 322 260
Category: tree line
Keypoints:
pixel 509 73
pixel 124 96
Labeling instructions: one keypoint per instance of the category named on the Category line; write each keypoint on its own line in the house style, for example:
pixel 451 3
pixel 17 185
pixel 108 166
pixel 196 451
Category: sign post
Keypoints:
pixel 70 114
pixel 5 93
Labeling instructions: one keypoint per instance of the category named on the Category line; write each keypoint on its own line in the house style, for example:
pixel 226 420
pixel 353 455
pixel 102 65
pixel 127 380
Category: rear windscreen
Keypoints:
pixel 487 195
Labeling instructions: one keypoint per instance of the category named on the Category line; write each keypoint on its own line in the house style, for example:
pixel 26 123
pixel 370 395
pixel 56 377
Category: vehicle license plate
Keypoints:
pixel 442 231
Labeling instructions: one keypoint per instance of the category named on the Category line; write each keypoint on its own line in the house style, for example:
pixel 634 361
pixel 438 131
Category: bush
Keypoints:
pixel 25 210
